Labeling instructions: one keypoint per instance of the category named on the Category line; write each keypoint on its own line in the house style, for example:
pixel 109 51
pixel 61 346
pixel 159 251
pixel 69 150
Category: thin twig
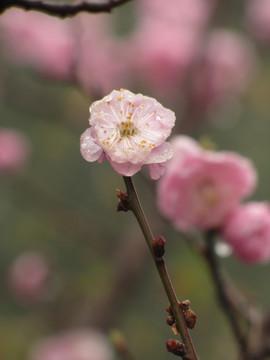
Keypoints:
pixel 61 9
pixel 136 208
pixel 244 318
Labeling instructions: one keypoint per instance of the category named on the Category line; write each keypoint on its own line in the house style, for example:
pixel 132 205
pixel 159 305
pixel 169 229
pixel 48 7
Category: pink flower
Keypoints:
pixel 201 187
pixel 167 39
pixel 247 230
pixel 129 130
pixel 38 40
pixel 101 62
pixel 166 53
pixel 28 276
pixel 227 63
pixel 258 19
pixel 194 13
pixel 14 151
pixel 80 344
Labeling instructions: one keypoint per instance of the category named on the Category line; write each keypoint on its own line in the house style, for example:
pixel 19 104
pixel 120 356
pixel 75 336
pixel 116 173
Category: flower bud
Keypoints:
pixel 175 347
pixel 169 309
pixel 190 318
pixel 159 246
pixel 185 305
pixel 170 320
pixel 123 204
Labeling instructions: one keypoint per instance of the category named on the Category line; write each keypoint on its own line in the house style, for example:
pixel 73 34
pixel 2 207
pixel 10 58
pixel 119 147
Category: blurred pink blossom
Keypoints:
pixel 14 151
pixel 80 344
pixel 258 19
pixel 192 14
pixel 247 230
pixel 28 277
pixel 101 62
pixel 38 40
pixel 165 42
pixel 130 130
pixel 226 65
pixel 165 56
pixel 200 187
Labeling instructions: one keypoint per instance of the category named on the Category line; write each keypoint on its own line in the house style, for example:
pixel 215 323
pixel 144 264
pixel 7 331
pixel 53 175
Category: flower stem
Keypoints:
pixel 136 208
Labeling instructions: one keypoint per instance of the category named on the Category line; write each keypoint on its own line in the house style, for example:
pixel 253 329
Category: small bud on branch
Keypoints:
pixel 123 204
pixel 159 246
pixel 175 347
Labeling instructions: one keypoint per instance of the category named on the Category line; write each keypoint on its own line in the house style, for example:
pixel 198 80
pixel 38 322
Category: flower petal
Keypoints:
pixel 89 149
pixel 125 169
pixel 161 154
pixel 156 170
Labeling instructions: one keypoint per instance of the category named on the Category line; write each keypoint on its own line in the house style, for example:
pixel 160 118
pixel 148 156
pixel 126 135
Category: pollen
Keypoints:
pixel 127 128
pixel 120 99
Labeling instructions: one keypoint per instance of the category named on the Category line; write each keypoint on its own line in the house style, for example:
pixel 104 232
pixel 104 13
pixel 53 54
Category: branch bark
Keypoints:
pixel 60 9
pixel 135 206
pixel 245 319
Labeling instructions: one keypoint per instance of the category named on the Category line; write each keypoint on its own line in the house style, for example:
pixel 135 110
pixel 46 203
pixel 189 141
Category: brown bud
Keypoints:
pixel 159 246
pixel 123 204
pixel 169 309
pixel 185 305
pixel 190 318
pixel 170 320
pixel 175 347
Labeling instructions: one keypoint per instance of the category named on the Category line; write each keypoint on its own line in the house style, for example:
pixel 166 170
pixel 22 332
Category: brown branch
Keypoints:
pixel 61 9
pixel 245 319
pixel 133 204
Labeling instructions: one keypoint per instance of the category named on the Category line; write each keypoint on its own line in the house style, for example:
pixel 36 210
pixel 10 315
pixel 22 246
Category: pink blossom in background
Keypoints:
pixel 14 151
pixel 130 130
pixel 165 42
pixel 247 230
pixel 79 344
pixel 101 62
pixel 200 187
pixel 38 40
pixel 226 66
pixel 28 277
pixel 194 13
pixel 165 56
pixel 258 19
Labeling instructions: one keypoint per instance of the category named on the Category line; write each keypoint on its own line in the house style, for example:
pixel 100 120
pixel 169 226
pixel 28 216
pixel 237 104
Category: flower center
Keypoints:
pixel 209 194
pixel 127 128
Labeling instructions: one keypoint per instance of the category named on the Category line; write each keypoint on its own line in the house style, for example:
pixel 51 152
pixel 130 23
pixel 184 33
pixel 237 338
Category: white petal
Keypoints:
pixel 89 149
pixel 160 154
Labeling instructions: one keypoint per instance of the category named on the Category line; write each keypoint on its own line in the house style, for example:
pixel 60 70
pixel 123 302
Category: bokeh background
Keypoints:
pixel 91 263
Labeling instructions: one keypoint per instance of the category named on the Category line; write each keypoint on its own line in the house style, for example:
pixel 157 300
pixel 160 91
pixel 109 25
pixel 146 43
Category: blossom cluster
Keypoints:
pixel 201 188
pixel 205 188
pixel 170 41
